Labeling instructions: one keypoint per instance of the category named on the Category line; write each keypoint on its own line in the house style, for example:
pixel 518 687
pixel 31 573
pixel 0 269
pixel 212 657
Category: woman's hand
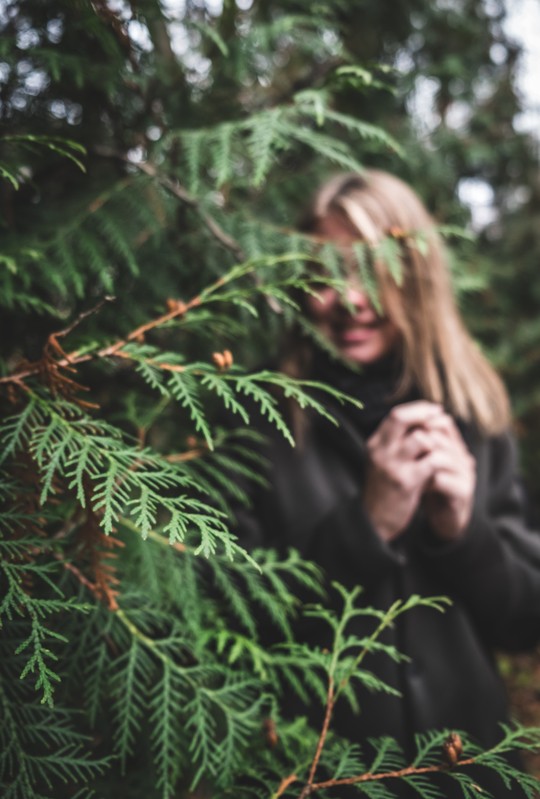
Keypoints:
pixel 400 465
pixel 417 455
pixel 449 493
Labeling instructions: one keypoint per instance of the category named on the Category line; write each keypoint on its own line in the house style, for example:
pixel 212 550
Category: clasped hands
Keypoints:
pixel 417 456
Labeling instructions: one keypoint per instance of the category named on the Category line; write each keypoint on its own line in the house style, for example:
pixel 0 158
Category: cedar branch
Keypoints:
pixel 284 784
pixel 408 771
pixel 330 702
pixel 175 188
pixel 72 359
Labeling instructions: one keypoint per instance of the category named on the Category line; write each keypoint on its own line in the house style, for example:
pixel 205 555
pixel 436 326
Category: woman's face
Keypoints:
pixel 359 334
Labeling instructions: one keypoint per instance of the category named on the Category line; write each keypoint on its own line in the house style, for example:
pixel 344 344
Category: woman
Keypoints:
pixel 417 493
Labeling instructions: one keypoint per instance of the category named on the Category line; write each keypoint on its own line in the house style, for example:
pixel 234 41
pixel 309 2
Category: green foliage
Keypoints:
pixel 63 147
pixel 270 133
pixel 149 203
pixel 339 761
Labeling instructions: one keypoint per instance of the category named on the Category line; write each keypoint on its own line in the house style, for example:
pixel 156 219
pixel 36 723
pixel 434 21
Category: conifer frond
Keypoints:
pixel 372 682
pixel 220 387
pixel 425 787
pixel 230 586
pixel 264 141
pixel 67 443
pixel 67 148
pixel 388 250
pixel 214 479
pixel 130 684
pixel 9 172
pixel 95 246
pixel 429 747
pixel 376 790
pixel 40 746
pixel 468 786
pixel 227 459
pixel 388 755
pixel 238 645
pixel 305 28
pixel 301 669
pixel 347 761
pixel 16 429
pixel 272 589
pixel 25 581
pixel 94 660
pixel 336 152
pixel 366 273
pixel 184 388
pixel 221 721
pixel 272 131
pixel 314 103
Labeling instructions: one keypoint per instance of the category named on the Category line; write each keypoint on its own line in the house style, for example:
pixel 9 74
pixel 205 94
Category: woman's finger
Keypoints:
pixel 444 423
pixel 445 442
pixel 414 445
pixel 452 461
pixel 402 418
pixel 449 483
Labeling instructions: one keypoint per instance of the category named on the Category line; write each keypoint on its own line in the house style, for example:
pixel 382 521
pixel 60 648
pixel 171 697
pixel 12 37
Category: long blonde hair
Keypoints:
pixel 439 356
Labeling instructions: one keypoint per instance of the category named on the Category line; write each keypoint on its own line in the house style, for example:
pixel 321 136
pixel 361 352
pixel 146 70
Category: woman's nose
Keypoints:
pixel 356 295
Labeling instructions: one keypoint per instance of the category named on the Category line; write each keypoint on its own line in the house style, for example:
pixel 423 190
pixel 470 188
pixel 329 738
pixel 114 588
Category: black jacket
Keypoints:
pixel 492 575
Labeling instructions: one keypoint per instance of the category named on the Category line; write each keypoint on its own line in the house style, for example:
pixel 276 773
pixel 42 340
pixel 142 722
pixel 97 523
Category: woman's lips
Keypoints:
pixel 357 334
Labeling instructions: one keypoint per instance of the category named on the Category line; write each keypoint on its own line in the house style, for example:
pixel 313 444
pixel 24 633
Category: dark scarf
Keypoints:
pixel 374 385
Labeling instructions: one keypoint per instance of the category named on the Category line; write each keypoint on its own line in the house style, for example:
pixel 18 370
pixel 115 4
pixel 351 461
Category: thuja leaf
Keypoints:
pixel 185 388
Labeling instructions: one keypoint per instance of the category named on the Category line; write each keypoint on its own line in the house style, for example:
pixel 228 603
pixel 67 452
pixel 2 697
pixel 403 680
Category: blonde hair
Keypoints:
pixel 439 356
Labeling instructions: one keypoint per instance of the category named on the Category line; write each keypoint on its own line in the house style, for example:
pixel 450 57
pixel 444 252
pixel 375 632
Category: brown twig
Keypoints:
pixel 88 584
pixel 178 310
pixel 118 28
pixel 332 696
pixel 182 194
pixel 368 776
pixel 189 455
pixel 284 784
pixel 330 702
pixel 167 367
pixel 68 360
pixel 93 551
pixel 53 367
pixel 53 338
pixel 408 771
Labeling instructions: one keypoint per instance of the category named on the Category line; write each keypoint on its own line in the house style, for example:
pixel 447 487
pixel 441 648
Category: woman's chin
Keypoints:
pixel 362 353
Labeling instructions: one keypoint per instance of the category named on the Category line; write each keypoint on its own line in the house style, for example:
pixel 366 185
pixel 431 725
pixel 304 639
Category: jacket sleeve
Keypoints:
pixel 494 569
